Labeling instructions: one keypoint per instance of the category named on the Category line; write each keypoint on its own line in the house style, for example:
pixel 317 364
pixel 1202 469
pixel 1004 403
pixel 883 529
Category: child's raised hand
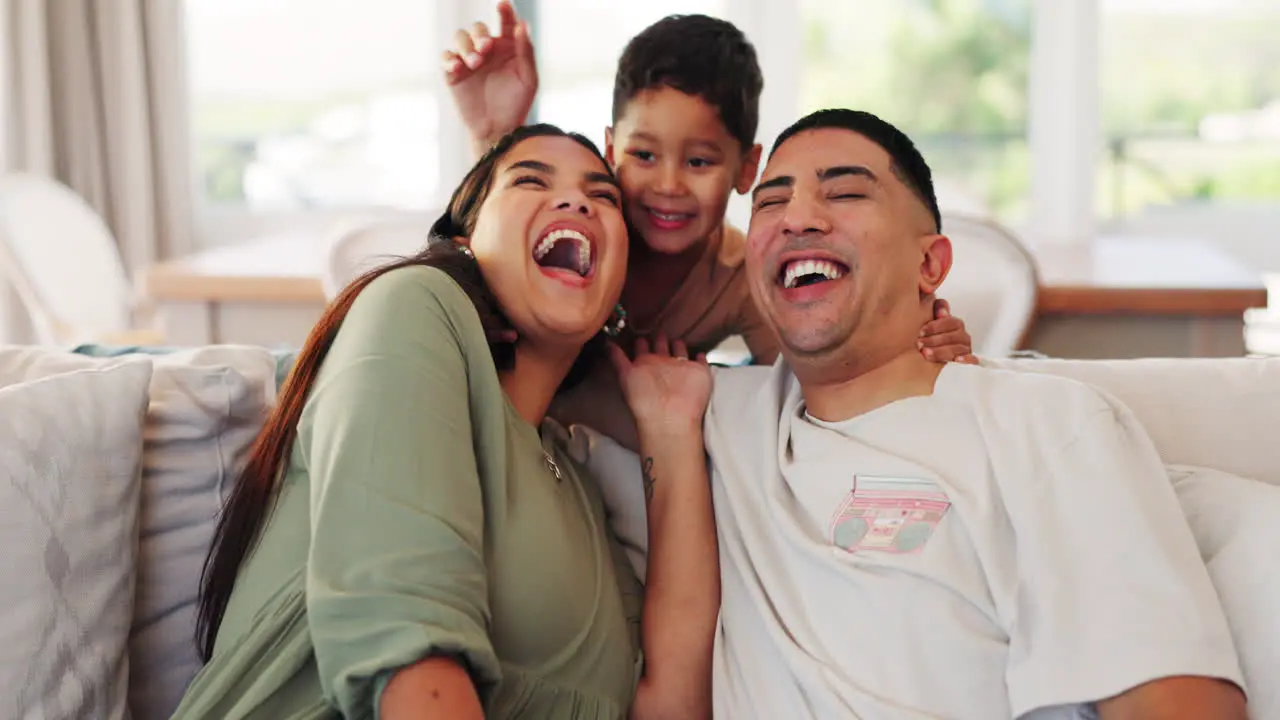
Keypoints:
pixel 493 79
pixel 664 387
pixel 944 339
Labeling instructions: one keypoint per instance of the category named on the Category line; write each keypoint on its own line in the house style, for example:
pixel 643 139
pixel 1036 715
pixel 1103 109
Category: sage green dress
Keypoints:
pixel 418 516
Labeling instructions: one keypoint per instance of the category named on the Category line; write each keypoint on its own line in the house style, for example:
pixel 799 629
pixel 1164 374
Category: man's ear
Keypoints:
pixel 750 166
pixel 608 148
pixel 936 262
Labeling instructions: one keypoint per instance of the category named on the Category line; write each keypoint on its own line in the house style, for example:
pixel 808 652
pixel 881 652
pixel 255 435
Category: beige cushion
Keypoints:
pixel 1215 413
pixel 70 449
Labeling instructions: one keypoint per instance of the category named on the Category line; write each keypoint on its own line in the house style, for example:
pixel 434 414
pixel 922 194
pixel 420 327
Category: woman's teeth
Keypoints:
pixel 583 246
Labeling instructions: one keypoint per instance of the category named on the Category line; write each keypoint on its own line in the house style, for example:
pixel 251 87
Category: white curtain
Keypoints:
pixel 94 95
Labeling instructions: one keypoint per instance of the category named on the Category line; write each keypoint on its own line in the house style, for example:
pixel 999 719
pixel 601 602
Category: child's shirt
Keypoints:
pixel 713 304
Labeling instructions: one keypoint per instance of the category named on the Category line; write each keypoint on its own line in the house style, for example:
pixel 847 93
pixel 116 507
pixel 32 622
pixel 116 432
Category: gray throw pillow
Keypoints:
pixel 70 453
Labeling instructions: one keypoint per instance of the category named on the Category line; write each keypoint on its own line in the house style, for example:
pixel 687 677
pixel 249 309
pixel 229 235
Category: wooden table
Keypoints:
pixel 269 292
pixel 1146 276
pixel 1185 297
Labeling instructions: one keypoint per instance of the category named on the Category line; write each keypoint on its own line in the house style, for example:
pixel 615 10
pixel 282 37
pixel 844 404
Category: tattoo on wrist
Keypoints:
pixel 646 471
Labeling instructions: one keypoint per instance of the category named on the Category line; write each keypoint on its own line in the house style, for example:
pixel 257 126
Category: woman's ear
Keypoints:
pixel 935 264
pixel 750 167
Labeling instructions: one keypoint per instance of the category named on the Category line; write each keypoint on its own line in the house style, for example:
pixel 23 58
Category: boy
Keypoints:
pixel 685 113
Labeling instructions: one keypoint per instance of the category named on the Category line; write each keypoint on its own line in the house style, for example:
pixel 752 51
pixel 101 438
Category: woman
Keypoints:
pixel 409 539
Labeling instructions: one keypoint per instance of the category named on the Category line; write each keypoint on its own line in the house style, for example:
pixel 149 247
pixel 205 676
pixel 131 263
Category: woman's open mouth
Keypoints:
pixel 565 252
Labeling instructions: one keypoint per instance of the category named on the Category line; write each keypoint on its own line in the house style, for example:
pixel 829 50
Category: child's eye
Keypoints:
pixel 530 180
pixel 642 155
pixel 700 163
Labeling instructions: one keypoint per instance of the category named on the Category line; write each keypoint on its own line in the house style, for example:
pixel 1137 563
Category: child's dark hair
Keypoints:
pixel 697 55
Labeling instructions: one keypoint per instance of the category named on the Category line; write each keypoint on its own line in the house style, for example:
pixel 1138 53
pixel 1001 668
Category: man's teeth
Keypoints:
pixel 799 269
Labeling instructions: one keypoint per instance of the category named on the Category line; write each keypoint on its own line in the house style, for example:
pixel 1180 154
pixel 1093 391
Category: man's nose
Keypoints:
pixel 805 216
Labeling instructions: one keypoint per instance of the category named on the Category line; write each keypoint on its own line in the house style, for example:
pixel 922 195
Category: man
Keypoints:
pixel 902 539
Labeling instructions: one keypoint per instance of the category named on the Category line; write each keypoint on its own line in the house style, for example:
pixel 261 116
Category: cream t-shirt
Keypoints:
pixel 1009 546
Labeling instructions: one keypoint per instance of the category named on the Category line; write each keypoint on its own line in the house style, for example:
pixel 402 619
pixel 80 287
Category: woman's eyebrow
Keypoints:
pixel 600 177
pixel 535 165
pixel 539 166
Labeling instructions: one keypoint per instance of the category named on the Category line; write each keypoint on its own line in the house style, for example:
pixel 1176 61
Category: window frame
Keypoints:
pixel 1063 128
pixel 1064 135
pixel 226 224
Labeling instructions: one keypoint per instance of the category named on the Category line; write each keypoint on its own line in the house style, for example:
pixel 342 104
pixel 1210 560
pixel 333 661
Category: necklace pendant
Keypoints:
pixel 551 465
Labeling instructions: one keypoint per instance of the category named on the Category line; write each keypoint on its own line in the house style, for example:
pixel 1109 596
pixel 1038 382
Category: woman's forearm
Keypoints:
pixel 437 687
pixel 682 584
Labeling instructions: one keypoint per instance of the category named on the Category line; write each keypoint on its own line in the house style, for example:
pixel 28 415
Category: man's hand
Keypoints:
pixel 493 80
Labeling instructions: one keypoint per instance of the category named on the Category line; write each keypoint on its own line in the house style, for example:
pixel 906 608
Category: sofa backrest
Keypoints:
pixel 209 402
pixel 205 408
pixel 1220 413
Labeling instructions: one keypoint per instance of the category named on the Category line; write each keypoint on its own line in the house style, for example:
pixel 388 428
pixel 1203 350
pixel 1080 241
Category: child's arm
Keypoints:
pixel 493 79
pixel 944 338
pixel 668 394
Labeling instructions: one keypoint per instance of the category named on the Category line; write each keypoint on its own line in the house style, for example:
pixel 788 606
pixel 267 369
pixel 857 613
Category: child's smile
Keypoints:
pixel 678 164
pixel 669 220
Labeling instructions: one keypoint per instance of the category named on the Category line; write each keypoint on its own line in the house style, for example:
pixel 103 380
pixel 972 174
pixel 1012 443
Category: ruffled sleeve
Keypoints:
pixel 396 570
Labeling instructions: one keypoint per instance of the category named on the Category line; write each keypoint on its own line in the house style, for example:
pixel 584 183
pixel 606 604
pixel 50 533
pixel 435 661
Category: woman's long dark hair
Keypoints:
pixel 253 496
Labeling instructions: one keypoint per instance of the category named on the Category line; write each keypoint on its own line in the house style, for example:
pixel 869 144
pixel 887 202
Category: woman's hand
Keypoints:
pixel 493 79
pixel 662 385
pixel 944 339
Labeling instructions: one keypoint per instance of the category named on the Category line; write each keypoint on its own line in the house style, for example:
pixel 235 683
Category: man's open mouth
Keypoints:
pixel 802 272
pixel 564 249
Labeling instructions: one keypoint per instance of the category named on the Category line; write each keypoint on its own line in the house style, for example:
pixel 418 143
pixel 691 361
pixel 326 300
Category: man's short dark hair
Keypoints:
pixel 907 162
pixel 701 56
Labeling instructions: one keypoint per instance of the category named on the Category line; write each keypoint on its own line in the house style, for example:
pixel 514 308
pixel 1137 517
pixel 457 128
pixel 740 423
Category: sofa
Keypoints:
pixel 114 462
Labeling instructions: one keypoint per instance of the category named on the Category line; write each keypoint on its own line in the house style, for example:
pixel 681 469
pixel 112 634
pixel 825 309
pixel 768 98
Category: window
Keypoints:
pixel 952 74
pixel 1190 109
pixel 578 44
pixel 299 105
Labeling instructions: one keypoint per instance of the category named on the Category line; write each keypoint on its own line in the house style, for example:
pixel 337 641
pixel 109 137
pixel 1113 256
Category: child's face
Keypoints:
pixel 677 164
